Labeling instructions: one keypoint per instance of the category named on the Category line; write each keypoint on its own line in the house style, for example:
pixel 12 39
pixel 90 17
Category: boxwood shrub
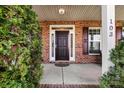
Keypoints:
pixel 114 78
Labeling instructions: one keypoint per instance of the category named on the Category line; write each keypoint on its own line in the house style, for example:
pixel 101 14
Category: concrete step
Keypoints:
pixel 68 86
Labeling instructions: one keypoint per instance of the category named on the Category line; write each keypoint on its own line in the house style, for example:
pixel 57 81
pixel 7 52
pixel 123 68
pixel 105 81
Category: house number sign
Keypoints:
pixel 111 28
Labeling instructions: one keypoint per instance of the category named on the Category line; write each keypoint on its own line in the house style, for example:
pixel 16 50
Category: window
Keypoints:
pixel 123 33
pixel 94 40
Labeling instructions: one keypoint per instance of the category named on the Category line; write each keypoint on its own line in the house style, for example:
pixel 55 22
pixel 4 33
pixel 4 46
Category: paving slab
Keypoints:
pixel 72 74
pixel 82 74
pixel 51 74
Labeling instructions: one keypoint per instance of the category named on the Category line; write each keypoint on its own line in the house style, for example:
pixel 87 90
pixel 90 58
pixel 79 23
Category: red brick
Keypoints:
pixel 80 57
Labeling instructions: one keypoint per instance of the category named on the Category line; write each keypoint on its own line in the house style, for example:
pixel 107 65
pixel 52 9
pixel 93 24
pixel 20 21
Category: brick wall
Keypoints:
pixel 80 57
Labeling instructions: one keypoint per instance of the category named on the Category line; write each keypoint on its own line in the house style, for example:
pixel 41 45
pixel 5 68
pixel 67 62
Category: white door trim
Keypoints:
pixel 52 36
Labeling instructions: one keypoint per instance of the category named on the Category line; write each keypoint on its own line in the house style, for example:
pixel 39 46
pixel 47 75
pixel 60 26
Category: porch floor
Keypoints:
pixel 73 74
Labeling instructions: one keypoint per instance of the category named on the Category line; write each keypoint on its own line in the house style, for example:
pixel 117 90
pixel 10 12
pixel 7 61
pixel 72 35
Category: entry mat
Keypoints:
pixel 62 64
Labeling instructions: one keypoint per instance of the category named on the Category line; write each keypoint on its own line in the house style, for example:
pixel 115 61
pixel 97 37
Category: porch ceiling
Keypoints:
pixel 74 12
pixel 119 11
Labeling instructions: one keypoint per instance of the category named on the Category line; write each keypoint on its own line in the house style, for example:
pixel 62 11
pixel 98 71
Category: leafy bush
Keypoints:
pixel 115 76
pixel 20 47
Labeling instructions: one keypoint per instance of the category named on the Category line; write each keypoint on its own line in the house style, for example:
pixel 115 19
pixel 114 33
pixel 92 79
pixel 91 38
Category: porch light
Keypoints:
pixel 61 11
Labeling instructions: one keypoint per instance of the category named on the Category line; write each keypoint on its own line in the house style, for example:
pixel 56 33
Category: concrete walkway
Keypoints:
pixel 72 74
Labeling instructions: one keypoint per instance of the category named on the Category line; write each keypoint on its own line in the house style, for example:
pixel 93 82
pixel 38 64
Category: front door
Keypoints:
pixel 62 51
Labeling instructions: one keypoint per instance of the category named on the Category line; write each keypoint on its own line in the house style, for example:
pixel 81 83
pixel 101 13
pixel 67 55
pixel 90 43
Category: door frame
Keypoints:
pixel 52 42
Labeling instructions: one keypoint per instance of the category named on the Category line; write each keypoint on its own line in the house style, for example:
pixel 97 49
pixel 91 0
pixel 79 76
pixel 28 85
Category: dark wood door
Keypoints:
pixel 62 51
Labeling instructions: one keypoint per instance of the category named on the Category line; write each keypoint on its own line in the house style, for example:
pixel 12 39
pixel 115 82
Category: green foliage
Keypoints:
pixel 20 47
pixel 115 77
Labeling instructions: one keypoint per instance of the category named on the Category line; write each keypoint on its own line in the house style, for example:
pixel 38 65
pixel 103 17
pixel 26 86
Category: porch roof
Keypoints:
pixel 74 12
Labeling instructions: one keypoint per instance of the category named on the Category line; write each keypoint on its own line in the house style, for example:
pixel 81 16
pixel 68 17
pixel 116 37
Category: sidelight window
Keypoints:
pixel 52 38
pixel 71 45
pixel 123 34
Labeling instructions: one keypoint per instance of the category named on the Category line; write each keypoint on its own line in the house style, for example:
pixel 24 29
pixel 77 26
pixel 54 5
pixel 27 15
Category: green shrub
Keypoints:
pixel 115 76
pixel 20 47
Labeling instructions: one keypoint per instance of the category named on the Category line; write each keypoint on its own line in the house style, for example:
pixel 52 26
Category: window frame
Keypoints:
pixel 93 28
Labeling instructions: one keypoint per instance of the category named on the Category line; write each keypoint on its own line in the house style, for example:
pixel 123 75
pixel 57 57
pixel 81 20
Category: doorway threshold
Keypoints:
pixel 63 61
